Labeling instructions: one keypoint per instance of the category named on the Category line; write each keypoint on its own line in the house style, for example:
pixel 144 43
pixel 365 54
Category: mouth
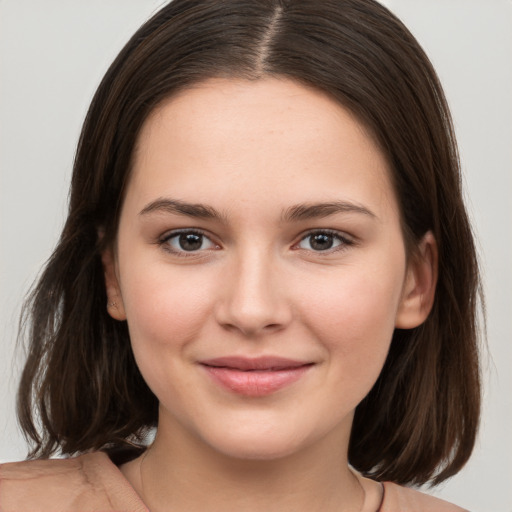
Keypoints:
pixel 255 377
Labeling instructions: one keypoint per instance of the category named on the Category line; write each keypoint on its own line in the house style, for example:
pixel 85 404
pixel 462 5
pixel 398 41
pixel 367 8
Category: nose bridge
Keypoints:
pixel 254 298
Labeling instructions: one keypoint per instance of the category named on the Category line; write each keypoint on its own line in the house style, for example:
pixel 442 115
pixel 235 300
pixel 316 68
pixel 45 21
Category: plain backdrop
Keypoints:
pixel 53 54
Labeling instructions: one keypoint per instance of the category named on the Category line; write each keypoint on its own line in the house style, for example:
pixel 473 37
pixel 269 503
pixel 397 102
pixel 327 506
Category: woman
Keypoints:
pixel 267 258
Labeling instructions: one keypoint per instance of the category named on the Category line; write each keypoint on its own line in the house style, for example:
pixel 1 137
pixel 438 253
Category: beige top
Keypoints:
pixel 92 483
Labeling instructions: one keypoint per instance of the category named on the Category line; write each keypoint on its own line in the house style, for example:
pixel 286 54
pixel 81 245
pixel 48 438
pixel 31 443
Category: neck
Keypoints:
pixel 181 474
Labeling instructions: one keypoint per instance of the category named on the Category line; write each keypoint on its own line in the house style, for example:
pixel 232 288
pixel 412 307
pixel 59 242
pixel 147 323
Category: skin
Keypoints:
pixel 258 286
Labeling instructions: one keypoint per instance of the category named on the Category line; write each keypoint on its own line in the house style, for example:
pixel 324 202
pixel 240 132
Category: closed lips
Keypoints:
pixel 255 377
pixel 258 364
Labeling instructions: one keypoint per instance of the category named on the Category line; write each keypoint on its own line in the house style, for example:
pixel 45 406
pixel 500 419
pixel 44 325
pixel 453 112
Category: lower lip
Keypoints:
pixel 257 382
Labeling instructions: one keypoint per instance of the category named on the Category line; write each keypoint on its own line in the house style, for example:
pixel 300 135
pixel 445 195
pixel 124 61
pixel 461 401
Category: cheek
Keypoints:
pixel 353 317
pixel 165 311
pixel 165 308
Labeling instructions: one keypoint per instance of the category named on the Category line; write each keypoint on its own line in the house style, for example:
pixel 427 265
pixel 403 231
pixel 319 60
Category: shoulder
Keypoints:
pixel 404 499
pixel 87 483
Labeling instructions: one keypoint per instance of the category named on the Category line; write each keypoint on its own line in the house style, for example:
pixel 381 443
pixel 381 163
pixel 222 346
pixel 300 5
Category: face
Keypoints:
pixel 260 266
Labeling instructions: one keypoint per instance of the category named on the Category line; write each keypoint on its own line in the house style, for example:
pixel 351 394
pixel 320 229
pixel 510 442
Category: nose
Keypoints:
pixel 254 300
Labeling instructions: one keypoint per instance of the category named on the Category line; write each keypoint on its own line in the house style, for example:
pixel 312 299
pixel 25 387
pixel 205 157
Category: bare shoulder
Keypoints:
pixel 404 499
pixel 89 482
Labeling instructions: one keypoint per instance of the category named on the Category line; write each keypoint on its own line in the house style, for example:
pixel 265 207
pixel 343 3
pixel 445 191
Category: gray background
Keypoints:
pixel 52 56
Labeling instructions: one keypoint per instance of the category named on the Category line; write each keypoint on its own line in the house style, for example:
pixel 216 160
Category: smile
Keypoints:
pixel 255 377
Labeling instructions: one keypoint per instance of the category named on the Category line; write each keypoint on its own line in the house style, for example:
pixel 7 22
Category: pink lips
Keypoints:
pixel 255 377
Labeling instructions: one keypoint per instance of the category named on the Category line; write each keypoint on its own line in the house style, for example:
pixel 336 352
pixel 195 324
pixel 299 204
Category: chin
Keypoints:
pixel 261 442
pixel 258 450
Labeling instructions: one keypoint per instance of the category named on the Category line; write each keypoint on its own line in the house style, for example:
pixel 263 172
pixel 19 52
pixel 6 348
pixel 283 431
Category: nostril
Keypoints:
pixel 252 313
pixel 251 330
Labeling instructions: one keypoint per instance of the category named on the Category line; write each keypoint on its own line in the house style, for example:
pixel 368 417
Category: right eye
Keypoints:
pixel 183 242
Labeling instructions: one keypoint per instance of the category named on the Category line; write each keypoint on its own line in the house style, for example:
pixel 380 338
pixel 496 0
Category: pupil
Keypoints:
pixel 321 242
pixel 190 241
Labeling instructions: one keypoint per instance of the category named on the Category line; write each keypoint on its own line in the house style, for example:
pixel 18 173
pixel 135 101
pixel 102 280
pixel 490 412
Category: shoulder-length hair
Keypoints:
pixel 81 390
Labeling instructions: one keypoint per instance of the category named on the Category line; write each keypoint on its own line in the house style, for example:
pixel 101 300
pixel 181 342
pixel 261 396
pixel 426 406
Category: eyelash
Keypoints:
pixel 344 241
pixel 164 242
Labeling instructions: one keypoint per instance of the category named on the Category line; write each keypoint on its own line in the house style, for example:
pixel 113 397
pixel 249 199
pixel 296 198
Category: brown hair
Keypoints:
pixel 81 389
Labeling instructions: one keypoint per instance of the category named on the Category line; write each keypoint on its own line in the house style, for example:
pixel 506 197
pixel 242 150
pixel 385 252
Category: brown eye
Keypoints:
pixel 323 241
pixel 188 241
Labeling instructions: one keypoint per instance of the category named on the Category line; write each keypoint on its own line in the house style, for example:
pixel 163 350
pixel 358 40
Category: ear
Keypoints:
pixel 115 306
pixel 420 285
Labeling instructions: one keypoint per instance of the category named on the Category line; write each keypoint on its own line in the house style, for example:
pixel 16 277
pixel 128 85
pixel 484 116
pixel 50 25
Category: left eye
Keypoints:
pixel 322 241
pixel 188 241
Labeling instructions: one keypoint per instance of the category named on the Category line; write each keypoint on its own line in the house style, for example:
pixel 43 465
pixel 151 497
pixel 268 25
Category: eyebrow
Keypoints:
pixel 303 211
pixel 177 207
pixel 320 210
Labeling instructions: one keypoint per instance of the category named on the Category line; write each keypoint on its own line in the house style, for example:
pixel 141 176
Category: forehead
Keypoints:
pixel 268 135
pixel 258 107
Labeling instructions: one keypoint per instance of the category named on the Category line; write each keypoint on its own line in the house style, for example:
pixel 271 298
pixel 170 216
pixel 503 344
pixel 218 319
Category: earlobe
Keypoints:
pixel 420 285
pixel 115 306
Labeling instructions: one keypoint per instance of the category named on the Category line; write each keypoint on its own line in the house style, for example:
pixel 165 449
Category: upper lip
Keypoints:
pixel 257 363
